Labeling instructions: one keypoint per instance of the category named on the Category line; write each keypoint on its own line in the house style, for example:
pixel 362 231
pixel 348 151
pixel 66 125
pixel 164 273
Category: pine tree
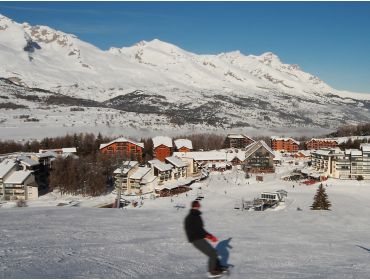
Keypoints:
pixel 321 201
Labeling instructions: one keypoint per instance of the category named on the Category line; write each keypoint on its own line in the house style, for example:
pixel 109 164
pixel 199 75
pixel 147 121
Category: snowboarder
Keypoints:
pixel 197 235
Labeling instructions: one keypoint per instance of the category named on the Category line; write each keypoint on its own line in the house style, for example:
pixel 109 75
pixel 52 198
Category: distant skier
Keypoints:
pixel 197 235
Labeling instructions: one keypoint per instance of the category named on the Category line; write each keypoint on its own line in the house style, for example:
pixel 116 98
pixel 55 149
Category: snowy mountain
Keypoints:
pixel 182 88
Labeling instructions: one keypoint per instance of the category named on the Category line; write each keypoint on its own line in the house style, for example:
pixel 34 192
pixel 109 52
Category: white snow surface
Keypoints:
pixel 183 143
pixel 17 177
pixel 172 91
pixel 59 61
pixel 149 241
pixel 162 140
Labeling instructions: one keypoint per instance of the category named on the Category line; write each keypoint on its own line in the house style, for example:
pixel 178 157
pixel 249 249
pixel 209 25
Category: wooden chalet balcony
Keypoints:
pixel 15 191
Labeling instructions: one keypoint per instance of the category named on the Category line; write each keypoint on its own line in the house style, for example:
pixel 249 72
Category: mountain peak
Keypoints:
pixel 4 18
pixel 156 43
pixel 269 58
pixel 4 22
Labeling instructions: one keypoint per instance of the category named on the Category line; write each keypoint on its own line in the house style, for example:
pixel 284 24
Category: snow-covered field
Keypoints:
pixel 149 242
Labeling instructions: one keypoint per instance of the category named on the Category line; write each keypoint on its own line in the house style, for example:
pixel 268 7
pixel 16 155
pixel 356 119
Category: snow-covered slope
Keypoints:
pixel 228 89
pixel 149 242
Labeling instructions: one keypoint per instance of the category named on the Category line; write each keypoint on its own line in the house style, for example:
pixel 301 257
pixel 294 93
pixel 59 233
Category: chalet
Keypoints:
pixel 20 185
pixel 163 171
pixel 204 158
pixel 124 148
pixel 123 173
pixel 183 145
pixel 173 188
pixel 162 147
pixel 259 158
pixel 142 181
pixel 303 154
pixel 179 167
pixel 28 164
pixel 213 160
pixel 235 156
pixel 7 167
pixel 192 167
pixel 284 144
pixel 322 143
pixel 237 141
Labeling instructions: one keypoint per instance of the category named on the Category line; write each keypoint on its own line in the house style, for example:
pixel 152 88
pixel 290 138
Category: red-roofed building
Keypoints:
pixel 162 147
pixel 316 143
pixel 125 148
pixel 284 144
pixel 183 145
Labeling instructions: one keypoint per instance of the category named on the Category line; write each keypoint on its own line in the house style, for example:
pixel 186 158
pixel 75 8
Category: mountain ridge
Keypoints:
pixel 182 88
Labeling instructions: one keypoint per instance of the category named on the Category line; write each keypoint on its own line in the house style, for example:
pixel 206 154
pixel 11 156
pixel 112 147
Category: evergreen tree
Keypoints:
pixel 321 201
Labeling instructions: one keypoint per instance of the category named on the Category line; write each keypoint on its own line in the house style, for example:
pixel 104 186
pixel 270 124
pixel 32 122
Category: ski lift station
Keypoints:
pixel 266 200
pixel 269 196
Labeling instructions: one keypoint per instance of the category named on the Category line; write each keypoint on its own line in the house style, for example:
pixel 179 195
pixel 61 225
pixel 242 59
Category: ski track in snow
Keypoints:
pixel 149 242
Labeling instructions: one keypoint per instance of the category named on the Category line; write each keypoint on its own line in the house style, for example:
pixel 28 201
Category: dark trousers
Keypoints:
pixel 207 249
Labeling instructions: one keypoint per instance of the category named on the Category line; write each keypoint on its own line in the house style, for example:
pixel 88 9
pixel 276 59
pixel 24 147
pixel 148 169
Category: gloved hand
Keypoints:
pixel 211 238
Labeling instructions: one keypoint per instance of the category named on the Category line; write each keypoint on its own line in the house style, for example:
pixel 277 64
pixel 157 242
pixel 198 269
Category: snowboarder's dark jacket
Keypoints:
pixel 194 226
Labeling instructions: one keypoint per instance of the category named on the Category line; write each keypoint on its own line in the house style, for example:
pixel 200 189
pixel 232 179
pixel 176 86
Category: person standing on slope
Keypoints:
pixel 197 235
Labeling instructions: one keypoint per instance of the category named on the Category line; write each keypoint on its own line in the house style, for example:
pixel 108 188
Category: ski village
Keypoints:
pixel 145 160
pixel 121 214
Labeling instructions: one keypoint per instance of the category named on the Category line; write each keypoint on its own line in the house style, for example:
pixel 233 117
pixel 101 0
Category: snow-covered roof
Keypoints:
pixel 160 165
pixel 233 154
pixel 120 140
pixel 18 177
pixel 67 155
pixel 322 152
pixel 326 139
pixel 255 146
pixel 27 161
pixel 176 161
pixel 148 178
pixel 125 167
pixel 277 155
pixel 284 139
pixel 47 154
pixel 173 185
pixel 306 153
pixel 140 173
pixel 183 143
pixel 162 140
pixel 365 147
pixel 238 136
pixel 200 156
pixel 356 153
pixel 5 166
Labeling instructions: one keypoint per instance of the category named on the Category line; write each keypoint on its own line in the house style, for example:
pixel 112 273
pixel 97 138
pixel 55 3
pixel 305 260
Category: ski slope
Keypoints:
pixel 149 242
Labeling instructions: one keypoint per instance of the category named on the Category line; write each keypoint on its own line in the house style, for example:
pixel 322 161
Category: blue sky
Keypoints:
pixel 328 39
